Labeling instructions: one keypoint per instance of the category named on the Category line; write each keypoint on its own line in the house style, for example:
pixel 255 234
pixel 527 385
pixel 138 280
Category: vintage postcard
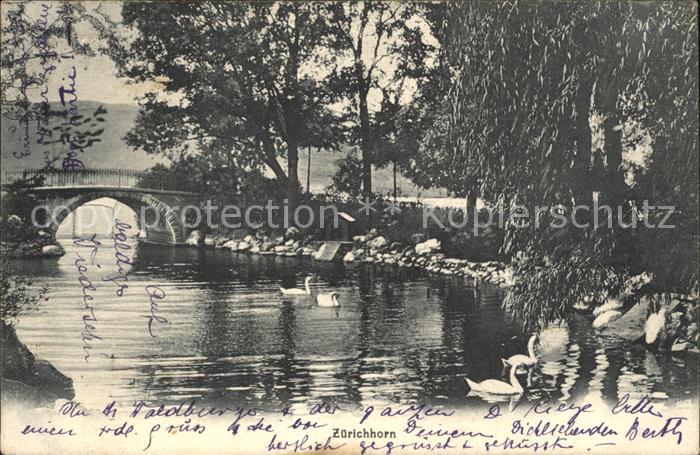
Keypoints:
pixel 349 227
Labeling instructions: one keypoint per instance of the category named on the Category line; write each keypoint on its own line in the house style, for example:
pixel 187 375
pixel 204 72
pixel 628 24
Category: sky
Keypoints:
pixel 96 80
pixel 96 76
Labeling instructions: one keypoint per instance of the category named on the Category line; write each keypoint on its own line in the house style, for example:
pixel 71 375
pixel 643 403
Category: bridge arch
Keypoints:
pixel 98 216
pixel 161 225
pixel 60 192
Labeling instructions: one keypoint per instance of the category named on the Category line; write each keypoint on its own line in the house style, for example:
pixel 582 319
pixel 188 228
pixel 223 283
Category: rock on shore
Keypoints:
pixel 425 254
pixel 422 252
pixel 38 248
pixel 27 379
pixel 292 243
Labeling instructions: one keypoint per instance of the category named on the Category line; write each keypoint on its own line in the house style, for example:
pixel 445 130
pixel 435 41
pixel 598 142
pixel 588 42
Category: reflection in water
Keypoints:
pixel 96 217
pixel 399 335
pixel 569 370
pixel 595 385
pixel 554 371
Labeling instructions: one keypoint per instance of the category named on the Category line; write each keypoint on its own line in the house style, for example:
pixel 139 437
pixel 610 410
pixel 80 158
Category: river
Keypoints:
pixel 231 337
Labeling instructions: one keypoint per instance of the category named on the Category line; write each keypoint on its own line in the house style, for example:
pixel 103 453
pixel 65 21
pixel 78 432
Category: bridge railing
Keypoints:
pixel 91 178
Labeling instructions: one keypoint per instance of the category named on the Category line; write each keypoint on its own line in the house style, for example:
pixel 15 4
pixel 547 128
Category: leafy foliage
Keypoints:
pixel 239 78
pixel 552 105
pixel 216 180
pixel 344 184
pixel 16 295
pixel 35 39
pixel 16 208
pixel 379 49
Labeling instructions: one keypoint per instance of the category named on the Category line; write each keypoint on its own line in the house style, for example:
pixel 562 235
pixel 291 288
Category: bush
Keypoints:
pixel 347 180
pixel 459 242
pixel 16 295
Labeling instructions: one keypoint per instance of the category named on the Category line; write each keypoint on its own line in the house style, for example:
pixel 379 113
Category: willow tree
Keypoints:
pixel 545 105
pixel 239 81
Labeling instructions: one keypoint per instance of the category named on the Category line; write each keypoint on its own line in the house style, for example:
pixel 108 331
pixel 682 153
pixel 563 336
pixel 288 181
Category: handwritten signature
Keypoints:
pixel 154 294
pixel 425 433
pixel 122 259
pixel 89 318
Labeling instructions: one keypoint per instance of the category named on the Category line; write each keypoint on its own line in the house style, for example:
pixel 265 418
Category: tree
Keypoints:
pixel 375 44
pixel 387 148
pixel 16 294
pixel 344 181
pixel 243 74
pixel 35 40
pixel 528 91
pixel 393 133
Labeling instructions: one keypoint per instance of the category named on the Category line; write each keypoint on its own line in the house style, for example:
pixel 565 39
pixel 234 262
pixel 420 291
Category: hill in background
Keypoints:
pixel 112 153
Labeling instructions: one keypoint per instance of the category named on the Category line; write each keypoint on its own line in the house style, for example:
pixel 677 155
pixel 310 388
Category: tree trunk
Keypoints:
pixel 583 136
pixel 394 181
pixel 292 174
pixel 583 185
pixel 471 200
pixel 365 134
pixel 614 185
pixel 471 204
pixel 308 170
pixel 613 152
pixel 271 161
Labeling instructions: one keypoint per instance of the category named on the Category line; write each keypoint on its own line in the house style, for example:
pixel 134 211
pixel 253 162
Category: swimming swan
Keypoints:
pixel 330 299
pixel 521 359
pixel 297 291
pixel 497 387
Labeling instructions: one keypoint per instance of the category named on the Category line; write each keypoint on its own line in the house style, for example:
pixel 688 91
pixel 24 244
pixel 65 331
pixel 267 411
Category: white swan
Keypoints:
pixel 330 299
pixel 496 386
pixel 611 304
pixel 606 318
pixel 653 325
pixel 297 291
pixel 523 360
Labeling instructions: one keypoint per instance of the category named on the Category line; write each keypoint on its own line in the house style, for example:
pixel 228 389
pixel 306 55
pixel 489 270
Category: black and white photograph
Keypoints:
pixel 349 227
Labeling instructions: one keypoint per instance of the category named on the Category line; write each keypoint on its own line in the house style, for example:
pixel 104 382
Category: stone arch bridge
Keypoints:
pixel 59 192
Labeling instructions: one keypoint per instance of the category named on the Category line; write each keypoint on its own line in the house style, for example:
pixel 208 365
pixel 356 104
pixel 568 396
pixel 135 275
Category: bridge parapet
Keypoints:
pixel 97 178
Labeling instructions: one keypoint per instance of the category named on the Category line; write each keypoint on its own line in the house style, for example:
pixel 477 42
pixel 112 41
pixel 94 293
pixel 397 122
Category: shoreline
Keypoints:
pixel 672 327
pixel 27 378
pixel 421 253
pixel 35 249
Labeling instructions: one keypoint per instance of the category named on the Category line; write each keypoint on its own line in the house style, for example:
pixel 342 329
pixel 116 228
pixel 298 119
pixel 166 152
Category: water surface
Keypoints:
pixel 231 337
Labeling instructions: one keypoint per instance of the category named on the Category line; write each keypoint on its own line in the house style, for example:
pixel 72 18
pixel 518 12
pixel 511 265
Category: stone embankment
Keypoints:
pixel 421 253
pixel 291 244
pixel 425 254
pixel 35 249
